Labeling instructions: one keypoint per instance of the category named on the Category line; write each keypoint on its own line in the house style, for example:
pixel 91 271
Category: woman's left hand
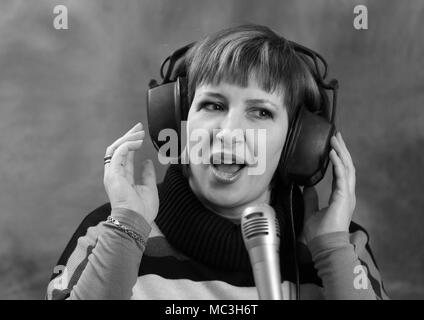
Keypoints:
pixel 337 216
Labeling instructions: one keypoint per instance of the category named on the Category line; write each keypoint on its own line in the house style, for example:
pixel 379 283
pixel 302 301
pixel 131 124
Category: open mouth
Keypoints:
pixel 226 167
pixel 227 173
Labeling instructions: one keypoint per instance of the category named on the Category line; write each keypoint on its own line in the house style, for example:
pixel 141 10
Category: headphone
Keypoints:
pixel 305 155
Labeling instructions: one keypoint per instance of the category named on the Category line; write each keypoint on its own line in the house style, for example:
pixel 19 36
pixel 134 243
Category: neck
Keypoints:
pixel 234 213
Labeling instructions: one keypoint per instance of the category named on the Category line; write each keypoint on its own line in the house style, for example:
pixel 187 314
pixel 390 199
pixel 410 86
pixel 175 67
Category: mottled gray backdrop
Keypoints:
pixel 66 94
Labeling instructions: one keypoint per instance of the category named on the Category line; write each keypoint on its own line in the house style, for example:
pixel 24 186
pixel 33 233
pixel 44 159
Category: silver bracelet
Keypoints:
pixel 137 237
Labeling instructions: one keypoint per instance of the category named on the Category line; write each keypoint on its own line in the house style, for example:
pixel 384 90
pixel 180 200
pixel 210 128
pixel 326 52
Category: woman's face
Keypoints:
pixel 231 117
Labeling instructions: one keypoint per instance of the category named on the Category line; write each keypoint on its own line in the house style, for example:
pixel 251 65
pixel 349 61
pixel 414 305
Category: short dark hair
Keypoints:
pixel 236 53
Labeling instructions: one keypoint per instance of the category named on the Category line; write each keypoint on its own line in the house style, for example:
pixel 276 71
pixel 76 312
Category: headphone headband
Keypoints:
pixel 332 85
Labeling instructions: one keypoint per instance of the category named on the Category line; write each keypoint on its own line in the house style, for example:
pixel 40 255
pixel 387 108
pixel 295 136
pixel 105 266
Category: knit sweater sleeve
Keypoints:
pixel 104 263
pixel 345 264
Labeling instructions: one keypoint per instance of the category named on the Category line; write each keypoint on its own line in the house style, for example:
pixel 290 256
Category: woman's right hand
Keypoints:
pixel 119 177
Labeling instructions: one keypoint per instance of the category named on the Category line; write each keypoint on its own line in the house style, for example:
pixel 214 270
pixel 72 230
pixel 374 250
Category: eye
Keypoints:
pixel 211 106
pixel 262 113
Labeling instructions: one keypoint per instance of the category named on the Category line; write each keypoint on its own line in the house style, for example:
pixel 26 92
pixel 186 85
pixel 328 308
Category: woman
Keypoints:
pixel 183 240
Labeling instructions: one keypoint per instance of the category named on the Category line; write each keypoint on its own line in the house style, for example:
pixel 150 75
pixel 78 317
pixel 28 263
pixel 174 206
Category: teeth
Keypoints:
pixel 228 168
pixel 220 158
pixel 227 173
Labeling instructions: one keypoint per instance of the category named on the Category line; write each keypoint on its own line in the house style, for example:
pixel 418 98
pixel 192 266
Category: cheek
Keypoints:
pixel 200 120
pixel 194 128
pixel 198 143
pixel 192 121
pixel 274 150
pixel 274 146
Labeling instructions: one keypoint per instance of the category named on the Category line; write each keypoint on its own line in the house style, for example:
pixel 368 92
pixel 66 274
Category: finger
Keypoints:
pixel 343 145
pixel 137 127
pixel 119 158
pixel 139 135
pixel 347 158
pixel 352 173
pixel 129 167
pixel 339 170
pixel 310 200
pixel 336 144
pixel 148 174
pixel 347 161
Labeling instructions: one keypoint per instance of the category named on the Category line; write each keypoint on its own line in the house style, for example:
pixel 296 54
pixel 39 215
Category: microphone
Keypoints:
pixel 261 235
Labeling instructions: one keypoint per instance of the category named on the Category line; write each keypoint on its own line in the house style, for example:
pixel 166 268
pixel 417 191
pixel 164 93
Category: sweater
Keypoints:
pixel 192 253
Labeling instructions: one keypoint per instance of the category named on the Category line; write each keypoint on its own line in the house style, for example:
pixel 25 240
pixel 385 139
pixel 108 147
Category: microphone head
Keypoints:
pixel 259 226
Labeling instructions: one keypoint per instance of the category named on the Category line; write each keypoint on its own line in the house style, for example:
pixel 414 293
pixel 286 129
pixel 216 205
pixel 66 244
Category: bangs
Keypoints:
pixel 236 60
pixel 235 55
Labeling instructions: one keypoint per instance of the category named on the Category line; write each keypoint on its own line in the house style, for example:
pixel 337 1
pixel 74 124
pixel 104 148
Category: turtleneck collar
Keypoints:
pixel 205 236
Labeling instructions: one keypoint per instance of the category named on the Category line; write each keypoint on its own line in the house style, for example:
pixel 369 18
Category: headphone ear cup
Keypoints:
pixel 306 155
pixel 182 97
pixel 161 111
pixel 166 108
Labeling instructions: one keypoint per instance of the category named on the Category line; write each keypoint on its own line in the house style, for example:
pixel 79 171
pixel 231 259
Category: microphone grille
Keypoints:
pixel 277 227
pixel 257 224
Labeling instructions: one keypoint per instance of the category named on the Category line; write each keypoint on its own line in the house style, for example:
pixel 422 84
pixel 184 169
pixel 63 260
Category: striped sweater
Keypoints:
pixel 191 253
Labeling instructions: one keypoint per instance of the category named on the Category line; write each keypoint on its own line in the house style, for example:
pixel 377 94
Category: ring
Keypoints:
pixel 107 159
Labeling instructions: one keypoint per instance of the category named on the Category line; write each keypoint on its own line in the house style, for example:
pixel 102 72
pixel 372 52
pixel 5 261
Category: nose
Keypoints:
pixel 228 136
pixel 231 130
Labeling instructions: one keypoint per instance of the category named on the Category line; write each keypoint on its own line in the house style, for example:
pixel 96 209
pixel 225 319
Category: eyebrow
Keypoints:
pixel 250 102
pixel 261 101
pixel 215 95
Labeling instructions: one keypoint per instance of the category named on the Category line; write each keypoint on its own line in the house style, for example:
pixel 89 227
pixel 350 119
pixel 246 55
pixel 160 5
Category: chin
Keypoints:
pixel 228 190
pixel 230 194
pixel 227 198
